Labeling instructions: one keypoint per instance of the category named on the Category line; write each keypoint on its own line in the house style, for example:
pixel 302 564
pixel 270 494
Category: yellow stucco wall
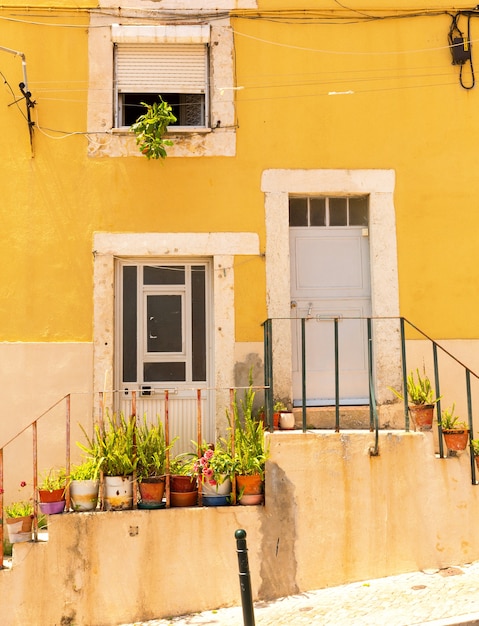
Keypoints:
pixel 407 113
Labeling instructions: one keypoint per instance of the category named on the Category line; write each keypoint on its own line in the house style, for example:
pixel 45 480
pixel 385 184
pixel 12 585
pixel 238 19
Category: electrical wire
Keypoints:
pixel 342 52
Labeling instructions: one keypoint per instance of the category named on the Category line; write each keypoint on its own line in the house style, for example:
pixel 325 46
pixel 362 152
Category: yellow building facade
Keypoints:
pixel 295 112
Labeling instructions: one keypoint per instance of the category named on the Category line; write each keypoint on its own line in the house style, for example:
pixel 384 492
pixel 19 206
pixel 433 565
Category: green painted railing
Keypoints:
pixel 373 405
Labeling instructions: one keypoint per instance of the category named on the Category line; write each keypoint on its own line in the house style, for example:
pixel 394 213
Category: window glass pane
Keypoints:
pixel 338 212
pixel 198 315
pixel 164 371
pixel 129 324
pixel 188 108
pixel 358 211
pixel 298 211
pixel 317 211
pixel 164 275
pixel 164 323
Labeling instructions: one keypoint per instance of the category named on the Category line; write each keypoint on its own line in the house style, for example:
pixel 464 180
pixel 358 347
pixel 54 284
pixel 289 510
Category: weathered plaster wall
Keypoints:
pixel 333 514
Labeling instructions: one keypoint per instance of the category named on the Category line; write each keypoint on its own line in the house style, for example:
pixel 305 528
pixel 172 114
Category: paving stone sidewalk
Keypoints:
pixel 434 597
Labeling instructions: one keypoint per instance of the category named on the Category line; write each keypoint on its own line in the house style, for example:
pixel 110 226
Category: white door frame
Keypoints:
pixel 221 247
pixel 379 185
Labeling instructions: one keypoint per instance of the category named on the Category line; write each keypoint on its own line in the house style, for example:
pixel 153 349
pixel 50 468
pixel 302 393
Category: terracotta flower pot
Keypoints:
pixel 249 489
pixel 183 484
pixel 184 498
pixel 19 528
pixel 51 496
pixel 422 416
pixel 456 440
pixel 152 490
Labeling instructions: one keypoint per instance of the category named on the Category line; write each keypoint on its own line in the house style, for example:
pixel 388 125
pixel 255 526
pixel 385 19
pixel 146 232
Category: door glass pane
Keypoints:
pixel 298 211
pixel 358 211
pixel 338 212
pixel 164 275
pixel 317 209
pixel 129 330
pixel 198 316
pixel 164 371
pixel 164 323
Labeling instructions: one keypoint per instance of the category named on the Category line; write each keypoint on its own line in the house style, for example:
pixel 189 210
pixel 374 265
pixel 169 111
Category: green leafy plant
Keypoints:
pixel 151 449
pixel 113 447
pixel 279 406
pixel 22 508
pixel 88 470
pixel 419 392
pixel 475 446
pixel 54 479
pixel 183 464
pixel 449 421
pixel 151 127
pixel 250 452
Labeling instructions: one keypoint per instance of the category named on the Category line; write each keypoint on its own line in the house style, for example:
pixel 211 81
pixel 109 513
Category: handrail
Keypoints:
pixel 374 422
pixel 33 425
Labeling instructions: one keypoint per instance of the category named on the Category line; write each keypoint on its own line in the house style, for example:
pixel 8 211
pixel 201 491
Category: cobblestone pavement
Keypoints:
pixel 433 597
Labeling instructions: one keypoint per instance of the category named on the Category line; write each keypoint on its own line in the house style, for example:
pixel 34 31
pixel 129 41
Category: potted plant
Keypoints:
pixel 51 491
pixel 250 451
pixel 455 431
pixel 84 485
pixel 214 468
pixel 113 448
pixel 278 407
pixel 151 450
pixel 19 516
pixel 151 127
pixel 183 482
pixel 421 400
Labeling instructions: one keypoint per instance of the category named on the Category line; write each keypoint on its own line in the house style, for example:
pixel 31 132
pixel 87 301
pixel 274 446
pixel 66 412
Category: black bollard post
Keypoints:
pixel 245 578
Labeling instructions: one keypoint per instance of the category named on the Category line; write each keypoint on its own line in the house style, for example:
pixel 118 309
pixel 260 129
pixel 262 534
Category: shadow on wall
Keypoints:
pixel 278 531
pixel 252 365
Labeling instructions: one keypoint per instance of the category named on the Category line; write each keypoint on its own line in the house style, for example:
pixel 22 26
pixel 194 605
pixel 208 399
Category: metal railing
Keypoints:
pixel 268 327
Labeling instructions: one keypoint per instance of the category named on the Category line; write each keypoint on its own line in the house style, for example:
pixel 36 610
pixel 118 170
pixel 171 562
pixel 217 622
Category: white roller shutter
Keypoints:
pixel 161 68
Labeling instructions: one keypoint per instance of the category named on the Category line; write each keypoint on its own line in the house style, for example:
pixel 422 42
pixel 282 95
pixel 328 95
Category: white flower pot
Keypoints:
pixel 84 494
pixel 223 489
pixel 118 493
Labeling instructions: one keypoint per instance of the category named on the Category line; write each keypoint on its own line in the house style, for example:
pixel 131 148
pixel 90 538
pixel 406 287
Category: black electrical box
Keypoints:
pixel 461 50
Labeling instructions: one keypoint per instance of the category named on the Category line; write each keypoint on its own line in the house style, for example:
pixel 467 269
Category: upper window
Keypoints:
pixel 162 60
pixel 189 66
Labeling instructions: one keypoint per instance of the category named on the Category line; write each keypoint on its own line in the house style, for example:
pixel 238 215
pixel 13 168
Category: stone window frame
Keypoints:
pixel 219 139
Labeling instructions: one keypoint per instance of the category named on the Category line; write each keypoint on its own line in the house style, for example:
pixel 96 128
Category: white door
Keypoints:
pixel 330 278
pixel 163 341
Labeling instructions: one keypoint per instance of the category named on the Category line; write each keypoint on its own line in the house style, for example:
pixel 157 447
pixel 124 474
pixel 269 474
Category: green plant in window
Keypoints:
pixel 151 127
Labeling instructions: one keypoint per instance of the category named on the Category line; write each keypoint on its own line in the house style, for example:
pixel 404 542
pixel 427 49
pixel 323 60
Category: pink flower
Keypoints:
pixel 208 472
pixel 208 454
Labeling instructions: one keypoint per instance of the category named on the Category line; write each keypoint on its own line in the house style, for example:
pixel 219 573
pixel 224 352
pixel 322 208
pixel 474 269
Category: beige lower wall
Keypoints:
pixel 333 515
pixel 34 377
